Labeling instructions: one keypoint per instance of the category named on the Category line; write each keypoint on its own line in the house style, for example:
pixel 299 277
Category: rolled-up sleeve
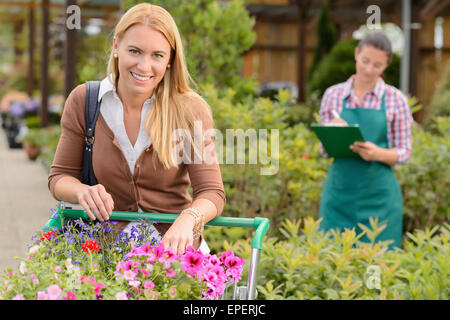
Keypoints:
pixel 401 130
pixel 204 173
pixel 68 158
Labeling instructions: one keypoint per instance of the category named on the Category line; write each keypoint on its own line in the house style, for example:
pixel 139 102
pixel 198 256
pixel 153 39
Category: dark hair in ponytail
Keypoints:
pixel 379 41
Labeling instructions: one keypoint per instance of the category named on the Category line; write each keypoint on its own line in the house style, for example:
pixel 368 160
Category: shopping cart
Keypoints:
pixel 261 225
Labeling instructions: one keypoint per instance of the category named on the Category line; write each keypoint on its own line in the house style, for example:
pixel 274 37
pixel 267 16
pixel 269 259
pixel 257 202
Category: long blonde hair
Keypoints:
pixel 170 110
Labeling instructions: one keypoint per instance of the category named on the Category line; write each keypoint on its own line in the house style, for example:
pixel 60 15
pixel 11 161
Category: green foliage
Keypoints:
pixel 92 56
pixel 295 190
pixel 45 138
pixel 425 180
pixel 339 65
pixel 295 187
pixel 215 36
pixel 33 122
pixel 33 137
pixel 50 137
pixel 326 37
pixel 309 264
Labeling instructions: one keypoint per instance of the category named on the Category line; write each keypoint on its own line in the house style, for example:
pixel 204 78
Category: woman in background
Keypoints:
pixel 358 189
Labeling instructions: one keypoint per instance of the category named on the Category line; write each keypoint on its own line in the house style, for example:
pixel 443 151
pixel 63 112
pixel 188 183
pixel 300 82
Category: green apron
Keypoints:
pixel 356 190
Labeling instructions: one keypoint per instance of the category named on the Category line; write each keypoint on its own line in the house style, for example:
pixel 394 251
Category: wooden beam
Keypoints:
pixel 414 49
pixel 433 49
pixel 303 8
pixel 31 32
pixel 44 64
pixel 70 59
pixel 432 9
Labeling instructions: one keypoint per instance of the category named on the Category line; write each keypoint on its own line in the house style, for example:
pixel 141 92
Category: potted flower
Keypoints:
pixel 94 261
pixel 31 143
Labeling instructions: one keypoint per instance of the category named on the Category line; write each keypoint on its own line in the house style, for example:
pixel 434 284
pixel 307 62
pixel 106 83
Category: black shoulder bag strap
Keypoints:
pixel 92 110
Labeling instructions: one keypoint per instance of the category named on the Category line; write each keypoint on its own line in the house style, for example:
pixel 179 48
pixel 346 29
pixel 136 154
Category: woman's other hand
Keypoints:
pixel 96 202
pixel 367 150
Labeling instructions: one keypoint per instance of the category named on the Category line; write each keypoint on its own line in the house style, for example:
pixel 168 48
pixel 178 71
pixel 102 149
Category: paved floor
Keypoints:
pixel 25 202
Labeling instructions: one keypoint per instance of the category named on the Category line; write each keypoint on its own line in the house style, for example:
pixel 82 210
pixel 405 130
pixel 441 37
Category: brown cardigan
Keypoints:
pixel 152 187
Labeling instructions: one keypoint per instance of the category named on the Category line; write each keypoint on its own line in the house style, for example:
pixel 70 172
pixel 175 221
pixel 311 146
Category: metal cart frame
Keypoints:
pixel 261 225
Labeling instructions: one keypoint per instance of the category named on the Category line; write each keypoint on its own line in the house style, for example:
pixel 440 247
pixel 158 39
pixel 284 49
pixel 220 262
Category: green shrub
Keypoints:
pixel 425 180
pixel 326 37
pixel 309 264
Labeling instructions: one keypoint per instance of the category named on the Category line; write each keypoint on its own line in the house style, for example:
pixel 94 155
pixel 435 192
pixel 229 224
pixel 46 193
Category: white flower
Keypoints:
pixel 22 267
pixel 69 264
pixel 34 249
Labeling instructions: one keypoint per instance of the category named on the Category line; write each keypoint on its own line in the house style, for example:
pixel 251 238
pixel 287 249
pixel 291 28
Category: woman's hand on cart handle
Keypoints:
pixel 180 235
pixel 96 202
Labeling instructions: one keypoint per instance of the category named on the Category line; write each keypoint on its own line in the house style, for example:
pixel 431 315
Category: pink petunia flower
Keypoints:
pixel 70 296
pixel 19 297
pixel 225 255
pixel 144 273
pixel 54 292
pixel 233 262
pixel 42 295
pixel 158 251
pixel 172 257
pixel 87 280
pixel 214 260
pixel 165 261
pixel 151 259
pixel 121 296
pixel 129 275
pixel 170 273
pixel 149 285
pixel 98 287
pixel 146 248
pixel 173 292
pixel 192 262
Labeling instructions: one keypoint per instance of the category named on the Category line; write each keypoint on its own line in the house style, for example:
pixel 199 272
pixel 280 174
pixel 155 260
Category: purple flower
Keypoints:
pixel 16 109
pixel 32 105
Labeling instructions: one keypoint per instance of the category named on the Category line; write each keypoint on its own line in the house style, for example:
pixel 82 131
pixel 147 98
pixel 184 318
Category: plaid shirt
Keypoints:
pixel 398 113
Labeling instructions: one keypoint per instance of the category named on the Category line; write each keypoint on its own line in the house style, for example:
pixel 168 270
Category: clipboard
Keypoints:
pixel 337 139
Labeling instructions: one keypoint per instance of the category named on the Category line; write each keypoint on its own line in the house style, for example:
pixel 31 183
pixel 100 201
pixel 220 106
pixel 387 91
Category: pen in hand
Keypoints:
pixel 335 114
pixel 337 120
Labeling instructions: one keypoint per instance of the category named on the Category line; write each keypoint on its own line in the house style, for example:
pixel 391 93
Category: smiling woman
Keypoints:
pixel 144 55
pixel 143 100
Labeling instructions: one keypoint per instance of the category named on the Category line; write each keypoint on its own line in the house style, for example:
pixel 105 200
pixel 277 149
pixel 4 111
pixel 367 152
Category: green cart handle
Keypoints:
pixel 261 225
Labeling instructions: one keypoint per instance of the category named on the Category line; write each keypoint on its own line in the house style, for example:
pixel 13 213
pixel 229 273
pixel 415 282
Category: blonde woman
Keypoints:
pixel 145 98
